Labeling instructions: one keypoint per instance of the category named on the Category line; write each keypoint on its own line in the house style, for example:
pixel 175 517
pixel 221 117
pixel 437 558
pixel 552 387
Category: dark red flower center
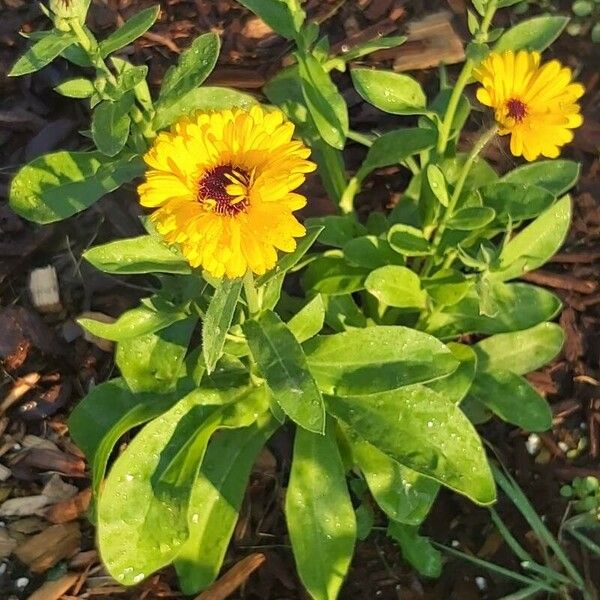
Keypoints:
pixel 516 109
pixel 213 186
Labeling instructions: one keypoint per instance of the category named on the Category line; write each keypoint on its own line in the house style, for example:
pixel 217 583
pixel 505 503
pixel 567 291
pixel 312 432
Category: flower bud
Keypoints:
pixel 70 9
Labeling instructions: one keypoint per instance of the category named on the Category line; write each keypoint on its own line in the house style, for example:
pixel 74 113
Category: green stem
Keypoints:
pixel 466 169
pixel 462 81
pixel 361 138
pixel 347 199
pixel 251 294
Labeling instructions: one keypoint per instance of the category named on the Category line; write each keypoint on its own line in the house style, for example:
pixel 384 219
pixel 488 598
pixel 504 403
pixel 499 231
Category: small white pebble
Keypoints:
pixel 2 568
pixel 16 446
pixel 22 582
pixel 583 425
pixel 563 446
pixel 455 543
pixel 481 583
pixel 533 444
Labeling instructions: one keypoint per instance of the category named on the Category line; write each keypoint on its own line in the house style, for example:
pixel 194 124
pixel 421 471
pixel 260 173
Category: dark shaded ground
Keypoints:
pixel 47 366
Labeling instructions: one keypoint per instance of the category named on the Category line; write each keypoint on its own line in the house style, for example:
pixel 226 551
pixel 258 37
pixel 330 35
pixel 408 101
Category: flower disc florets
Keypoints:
pixel 536 105
pixel 222 183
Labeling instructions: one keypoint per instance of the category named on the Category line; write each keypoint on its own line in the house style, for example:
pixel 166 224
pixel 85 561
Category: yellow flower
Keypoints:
pixel 222 183
pixel 536 104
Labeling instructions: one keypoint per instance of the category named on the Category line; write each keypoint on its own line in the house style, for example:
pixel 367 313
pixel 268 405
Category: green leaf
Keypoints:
pixel 518 305
pixel 369 46
pixel 516 202
pixel 308 321
pixel 56 186
pixel 325 103
pixel 394 147
pixel 132 323
pixel 193 67
pixel 391 92
pixel 107 413
pixel 203 98
pixel 283 365
pixel 513 399
pixel 536 243
pixel 532 34
pixel 447 287
pixel 333 275
pixel 376 359
pixel 322 526
pixel 79 87
pixel 342 313
pixel 136 256
pixel 283 16
pixel 217 320
pixel 215 502
pixel 289 261
pixel 520 351
pixel 437 184
pixel 146 495
pixel 455 387
pixel 408 240
pixel 370 252
pixel 153 362
pixel 337 230
pixel 471 218
pixel 423 431
pixel 396 286
pixel 42 53
pixel 130 31
pixel 110 124
pixel 556 176
pixel 417 550
pixel 403 494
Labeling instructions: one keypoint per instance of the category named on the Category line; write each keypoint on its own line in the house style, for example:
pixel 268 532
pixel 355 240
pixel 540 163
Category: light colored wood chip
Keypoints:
pixel 7 543
pixel 70 509
pixel 42 551
pixel 23 507
pixel 5 473
pixel 234 578
pixel 34 441
pixel 19 389
pixel 27 525
pixel 53 590
pixel 58 490
pixel 256 29
pixel 431 41
pixel 44 290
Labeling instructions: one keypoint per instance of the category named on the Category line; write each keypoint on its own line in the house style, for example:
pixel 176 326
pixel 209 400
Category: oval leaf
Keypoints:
pixel 283 364
pixel 535 244
pixel 556 176
pixel 322 525
pixel 403 494
pixel 408 240
pixel 366 361
pixel 136 256
pixel 215 502
pixel 397 286
pixel 418 428
pixel 520 351
pixel 393 147
pixel 513 399
pixel 533 34
pixel 394 93
pixel 43 52
pixel 193 67
pixel 130 31
pixel 56 186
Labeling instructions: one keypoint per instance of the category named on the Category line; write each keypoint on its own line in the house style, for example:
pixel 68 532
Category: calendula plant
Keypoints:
pixel 369 360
